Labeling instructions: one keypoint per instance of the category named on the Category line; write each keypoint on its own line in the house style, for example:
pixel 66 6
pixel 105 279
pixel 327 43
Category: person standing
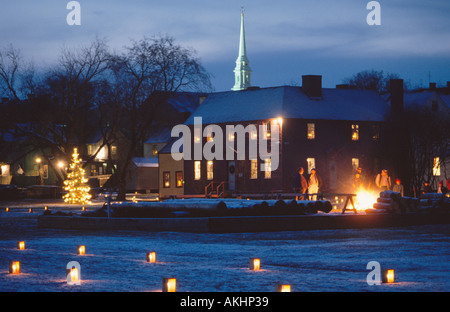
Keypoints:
pixel 357 182
pixel 383 180
pixel 314 184
pixel 300 185
pixel 398 187
pixel 441 188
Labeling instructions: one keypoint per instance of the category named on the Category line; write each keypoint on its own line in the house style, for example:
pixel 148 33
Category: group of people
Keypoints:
pixel 383 182
pixel 311 185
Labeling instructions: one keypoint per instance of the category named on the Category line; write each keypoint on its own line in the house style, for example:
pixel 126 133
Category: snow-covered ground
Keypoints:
pixel 325 260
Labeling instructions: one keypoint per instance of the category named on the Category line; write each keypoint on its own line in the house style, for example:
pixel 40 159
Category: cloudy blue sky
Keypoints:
pixel 285 38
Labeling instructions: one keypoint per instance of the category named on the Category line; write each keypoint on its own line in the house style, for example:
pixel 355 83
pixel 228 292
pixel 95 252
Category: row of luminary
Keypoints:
pixel 45 209
pixel 169 284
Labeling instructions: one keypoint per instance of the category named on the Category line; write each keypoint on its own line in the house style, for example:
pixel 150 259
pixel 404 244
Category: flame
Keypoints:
pixel 365 199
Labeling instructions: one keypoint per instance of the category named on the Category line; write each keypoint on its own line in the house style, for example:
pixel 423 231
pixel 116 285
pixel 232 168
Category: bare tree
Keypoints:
pixel 59 108
pixel 371 80
pixel 413 141
pixel 146 75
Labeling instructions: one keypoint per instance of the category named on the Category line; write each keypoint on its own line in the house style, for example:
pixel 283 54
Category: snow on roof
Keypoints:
pixel 168 148
pixel 411 99
pixel 159 135
pixel 145 162
pixel 290 102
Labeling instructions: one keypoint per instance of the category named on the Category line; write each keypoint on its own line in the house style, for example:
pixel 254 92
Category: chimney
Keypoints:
pixel 432 85
pixel 312 85
pixel 448 85
pixel 396 96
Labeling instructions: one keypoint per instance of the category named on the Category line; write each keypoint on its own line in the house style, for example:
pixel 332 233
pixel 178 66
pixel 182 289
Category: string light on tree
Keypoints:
pixel 78 191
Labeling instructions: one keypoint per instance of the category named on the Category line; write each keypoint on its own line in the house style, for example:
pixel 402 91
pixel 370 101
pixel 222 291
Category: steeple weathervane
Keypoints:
pixel 242 70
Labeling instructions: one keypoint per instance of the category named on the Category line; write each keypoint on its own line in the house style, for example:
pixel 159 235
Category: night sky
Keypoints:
pixel 285 38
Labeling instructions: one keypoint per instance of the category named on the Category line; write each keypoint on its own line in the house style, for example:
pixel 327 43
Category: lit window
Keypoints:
pixel 93 170
pixel 253 169
pixel 209 170
pixel 266 130
pixel 355 132
pixel 197 138
pixel 311 133
pixel 355 163
pixel 436 166
pixel 113 150
pixel 253 132
pixel 89 147
pixel 155 150
pixel 166 179
pixel 267 168
pixel 197 170
pixel 179 178
pixel 209 136
pixel 311 164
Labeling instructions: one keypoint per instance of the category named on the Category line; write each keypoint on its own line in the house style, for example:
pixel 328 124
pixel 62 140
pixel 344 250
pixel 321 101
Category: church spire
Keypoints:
pixel 242 70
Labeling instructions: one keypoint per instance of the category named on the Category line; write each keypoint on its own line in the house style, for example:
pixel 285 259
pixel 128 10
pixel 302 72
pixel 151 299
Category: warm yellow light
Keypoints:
pixel 388 276
pixel 280 121
pixel 7 209
pixel 81 250
pixel 151 257
pixel 78 191
pixel 365 199
pixel 14 267
pixel 169 285
pixel 30 210
pixel 255 264
pixel 38 160
pixel 60 164
pixel 21 245
pixel 284 288
pixel 74 275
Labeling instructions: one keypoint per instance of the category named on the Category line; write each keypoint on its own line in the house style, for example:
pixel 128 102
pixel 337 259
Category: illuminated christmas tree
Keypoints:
pixel 78 191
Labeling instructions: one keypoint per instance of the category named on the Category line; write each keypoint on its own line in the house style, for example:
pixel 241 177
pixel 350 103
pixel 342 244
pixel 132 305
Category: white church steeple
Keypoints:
pixel 242 70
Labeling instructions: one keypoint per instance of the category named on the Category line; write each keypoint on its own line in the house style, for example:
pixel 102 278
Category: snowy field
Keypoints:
pixel 310 261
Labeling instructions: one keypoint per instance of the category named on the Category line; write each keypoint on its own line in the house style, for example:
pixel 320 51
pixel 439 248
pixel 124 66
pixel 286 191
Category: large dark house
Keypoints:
pixel 332 130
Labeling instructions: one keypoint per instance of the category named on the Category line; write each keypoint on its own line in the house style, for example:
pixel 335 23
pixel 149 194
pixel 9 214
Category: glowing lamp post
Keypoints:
pixel 255 264
pixel 283 288
pixel 169 285
pixel 151 257
pixel 388 276
pixel 21 245
pixel 81 250
pixel 14 267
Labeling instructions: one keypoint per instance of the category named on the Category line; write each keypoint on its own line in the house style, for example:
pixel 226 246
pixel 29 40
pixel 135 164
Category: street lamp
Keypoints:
pixel 38 160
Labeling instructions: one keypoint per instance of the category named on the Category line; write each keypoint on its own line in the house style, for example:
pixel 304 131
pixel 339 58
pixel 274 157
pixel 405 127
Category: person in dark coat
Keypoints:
pixel 299 184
